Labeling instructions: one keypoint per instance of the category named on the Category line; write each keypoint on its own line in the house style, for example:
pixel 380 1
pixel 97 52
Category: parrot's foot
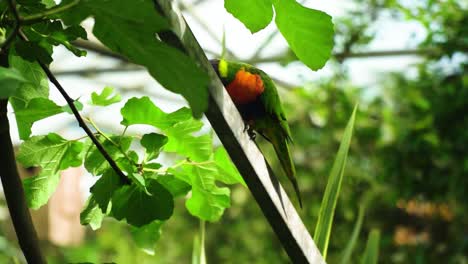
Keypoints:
pixel 250 131
pixel 252 134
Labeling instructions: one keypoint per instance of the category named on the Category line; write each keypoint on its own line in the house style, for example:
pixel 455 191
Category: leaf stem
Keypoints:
pixel 180 163
pixel 13 190
pixel 32 19
pixel 99 131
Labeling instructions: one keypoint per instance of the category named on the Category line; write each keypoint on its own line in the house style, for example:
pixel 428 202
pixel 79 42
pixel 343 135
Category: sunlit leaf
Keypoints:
pixel 106 97
pixel 92 214
pixel 36 109
pixel 227 172
pixel 254 14
pixel 52 153
pixel 308 32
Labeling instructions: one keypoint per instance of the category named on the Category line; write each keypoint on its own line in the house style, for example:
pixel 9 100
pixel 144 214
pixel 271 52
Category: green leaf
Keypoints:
pixel 181 141
pixel 308 32
pixel 36 109
pixel 52 153
pixel 129 28
pixel 91 214
pixel 228 173
pixel 53 33
pixel 11 80
pixel 38 189
pixel 66 108
pixel 175 186
pixel 153 143
pixel 371 254
pixel 37 85
pixel 178 126
pixel 146 236
pixel 254 14
pixel 134 204
pixel 107 97
pixel 105 187
pixel 208 201
pixel 143 111
pixel 332 191
pixel 33 51
pixel 95 163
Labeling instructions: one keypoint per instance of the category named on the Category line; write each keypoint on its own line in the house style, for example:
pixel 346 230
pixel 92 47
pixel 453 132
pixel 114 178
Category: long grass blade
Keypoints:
pixel 371 254
pixel 332 191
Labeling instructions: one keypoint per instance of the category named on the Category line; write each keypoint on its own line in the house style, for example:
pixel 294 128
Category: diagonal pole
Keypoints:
pixel 229 127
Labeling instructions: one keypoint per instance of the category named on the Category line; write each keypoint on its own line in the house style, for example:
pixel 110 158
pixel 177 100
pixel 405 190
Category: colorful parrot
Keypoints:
pixel 256 97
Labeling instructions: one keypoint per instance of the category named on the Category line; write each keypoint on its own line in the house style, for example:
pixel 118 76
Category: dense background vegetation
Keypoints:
pixel 406 171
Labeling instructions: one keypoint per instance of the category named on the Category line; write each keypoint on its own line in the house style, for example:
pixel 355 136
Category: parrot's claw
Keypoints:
pixel 252 134
pixel 250 131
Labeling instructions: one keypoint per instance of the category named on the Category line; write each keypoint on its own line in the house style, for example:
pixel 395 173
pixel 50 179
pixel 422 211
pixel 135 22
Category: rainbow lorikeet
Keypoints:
pixel 256 97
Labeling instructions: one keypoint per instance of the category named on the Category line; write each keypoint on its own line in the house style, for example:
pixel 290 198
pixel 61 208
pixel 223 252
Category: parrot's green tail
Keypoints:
pixel 280 143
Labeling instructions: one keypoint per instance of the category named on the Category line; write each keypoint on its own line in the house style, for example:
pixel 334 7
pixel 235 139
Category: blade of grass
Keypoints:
pixel 364 202
pixel 198 253
pixel 371 254
pixel 332 191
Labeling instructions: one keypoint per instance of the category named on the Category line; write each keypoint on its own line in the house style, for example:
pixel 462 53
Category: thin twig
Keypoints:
pixel 82 123
pixel 32 19
pixel 80 120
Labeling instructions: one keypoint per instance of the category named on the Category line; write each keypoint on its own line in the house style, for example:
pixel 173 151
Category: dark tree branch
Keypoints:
pixel 83 125
pixel 80 120
pixel 13 189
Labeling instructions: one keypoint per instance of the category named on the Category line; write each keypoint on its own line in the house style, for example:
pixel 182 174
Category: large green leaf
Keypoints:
pixel 11 80
pixel 371 254
pixel 129 28
pixel 208 201
pixel 37 86
pixel 104 188
pixel 153 143
pixel 52 153
pixel 36 109
pixel 332 191
pixel 53 33
pixel 95 162
pixel 308 32
pixel 146 236
pixel 143 111
pixel 181 140
pixel 254 14
pixel 178 127
pixel 141 207
pixel 227 172
pixel 92 214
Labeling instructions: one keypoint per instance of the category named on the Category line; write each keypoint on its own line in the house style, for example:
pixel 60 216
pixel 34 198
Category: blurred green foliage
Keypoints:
pixel 407 163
